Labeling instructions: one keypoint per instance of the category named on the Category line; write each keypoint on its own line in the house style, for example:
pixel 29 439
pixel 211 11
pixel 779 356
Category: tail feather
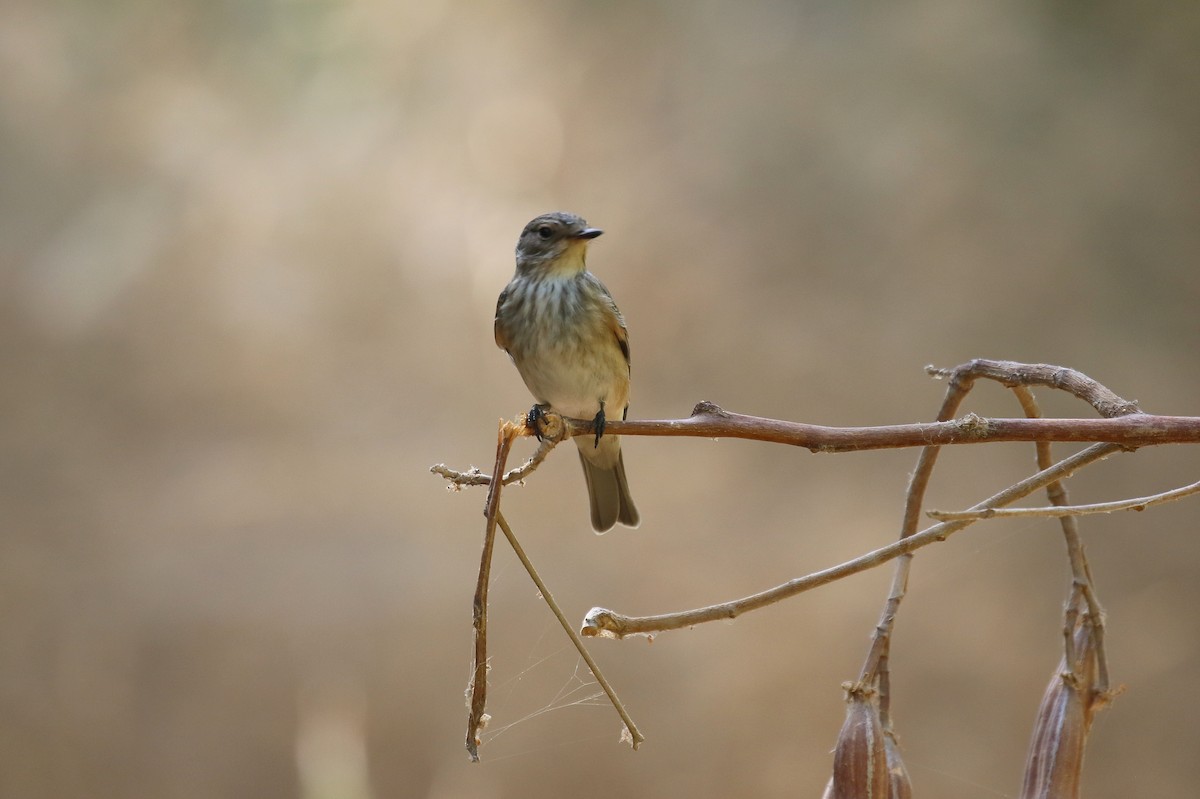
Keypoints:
pixel 608 492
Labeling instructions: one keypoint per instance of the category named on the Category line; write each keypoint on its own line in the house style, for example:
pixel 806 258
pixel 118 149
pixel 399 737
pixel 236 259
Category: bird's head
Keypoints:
pixel 555 242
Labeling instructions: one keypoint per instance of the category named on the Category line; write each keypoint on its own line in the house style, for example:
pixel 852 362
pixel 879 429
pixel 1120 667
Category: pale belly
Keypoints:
pixel 574 377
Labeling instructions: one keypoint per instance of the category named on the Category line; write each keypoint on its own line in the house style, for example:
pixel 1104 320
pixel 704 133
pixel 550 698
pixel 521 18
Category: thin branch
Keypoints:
pixel 635 736
pixel 609 624
pixel 1012 374
pixel 913 500
pixel 962 379
pixel 473 477
pixel 1136 503
pixel 477 717
pixel 478 689
pixel 1081 573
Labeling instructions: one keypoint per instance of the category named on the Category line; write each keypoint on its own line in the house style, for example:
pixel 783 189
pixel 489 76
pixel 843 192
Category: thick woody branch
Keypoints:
pixel 1122 423
pixel 710 421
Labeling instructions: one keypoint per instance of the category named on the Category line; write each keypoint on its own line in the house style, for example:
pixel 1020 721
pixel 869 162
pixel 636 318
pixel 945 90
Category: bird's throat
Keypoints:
pixel 571 262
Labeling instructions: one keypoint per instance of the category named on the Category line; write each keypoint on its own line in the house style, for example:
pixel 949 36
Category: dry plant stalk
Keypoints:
pixel 477 690
pixel 961 380
pixel 1081 573
pixel 1123 427
pixel 1017 377
pixel 478 687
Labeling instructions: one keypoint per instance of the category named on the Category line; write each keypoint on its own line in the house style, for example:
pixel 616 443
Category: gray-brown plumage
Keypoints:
pixel 568 340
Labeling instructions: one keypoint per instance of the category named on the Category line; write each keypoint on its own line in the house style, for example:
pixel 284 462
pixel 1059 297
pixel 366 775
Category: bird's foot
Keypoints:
pixel 535 420
pixel 598 423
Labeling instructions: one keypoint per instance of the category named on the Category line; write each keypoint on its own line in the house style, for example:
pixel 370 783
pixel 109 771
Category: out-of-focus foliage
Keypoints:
pixel 248 259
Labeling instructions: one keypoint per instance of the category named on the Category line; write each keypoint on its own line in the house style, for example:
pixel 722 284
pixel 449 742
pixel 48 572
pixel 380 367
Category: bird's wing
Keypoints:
pixel 502 340
pixel 617 324
pixel 613 318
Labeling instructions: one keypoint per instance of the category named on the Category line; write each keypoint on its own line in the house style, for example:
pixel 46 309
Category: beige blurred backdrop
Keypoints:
pixel 249 255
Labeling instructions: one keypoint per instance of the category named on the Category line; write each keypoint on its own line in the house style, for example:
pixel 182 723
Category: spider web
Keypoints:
pixel 548 682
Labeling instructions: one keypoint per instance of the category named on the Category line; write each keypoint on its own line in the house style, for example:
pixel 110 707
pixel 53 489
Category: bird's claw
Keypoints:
pixel 598 423
pixel 535 420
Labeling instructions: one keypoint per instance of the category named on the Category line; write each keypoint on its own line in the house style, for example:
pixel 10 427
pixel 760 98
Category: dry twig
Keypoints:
pixel 609 624
pixel 961 380
pixel 632 733
pixel 1082 588
pixel 473 477
pixel 1054 511
pixel 478 688
pixel 478 716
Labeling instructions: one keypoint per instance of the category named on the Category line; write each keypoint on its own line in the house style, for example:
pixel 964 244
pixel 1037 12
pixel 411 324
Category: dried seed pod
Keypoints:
pixel 860 763
pixel 1054 766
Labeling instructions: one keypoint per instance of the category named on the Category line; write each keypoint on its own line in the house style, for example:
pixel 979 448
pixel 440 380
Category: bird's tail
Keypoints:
pixel 608 490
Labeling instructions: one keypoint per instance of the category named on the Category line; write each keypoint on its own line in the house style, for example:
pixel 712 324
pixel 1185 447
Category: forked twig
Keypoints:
pixel 478 716
pixel 1011 374
pixel 473 477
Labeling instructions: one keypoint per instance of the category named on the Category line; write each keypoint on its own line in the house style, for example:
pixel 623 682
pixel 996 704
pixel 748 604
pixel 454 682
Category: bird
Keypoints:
pixel 568 340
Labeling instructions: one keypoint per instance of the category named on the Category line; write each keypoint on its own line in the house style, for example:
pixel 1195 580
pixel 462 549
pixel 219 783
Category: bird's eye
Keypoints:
pixel 544 232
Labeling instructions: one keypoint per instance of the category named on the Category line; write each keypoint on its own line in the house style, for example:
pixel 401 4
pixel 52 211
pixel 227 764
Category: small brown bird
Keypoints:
pixel 563 331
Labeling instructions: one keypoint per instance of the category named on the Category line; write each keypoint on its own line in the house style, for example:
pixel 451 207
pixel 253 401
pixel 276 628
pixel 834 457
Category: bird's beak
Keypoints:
pixel 588 233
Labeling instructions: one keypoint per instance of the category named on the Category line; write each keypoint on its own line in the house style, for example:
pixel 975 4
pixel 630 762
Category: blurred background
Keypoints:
pixel 249 256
